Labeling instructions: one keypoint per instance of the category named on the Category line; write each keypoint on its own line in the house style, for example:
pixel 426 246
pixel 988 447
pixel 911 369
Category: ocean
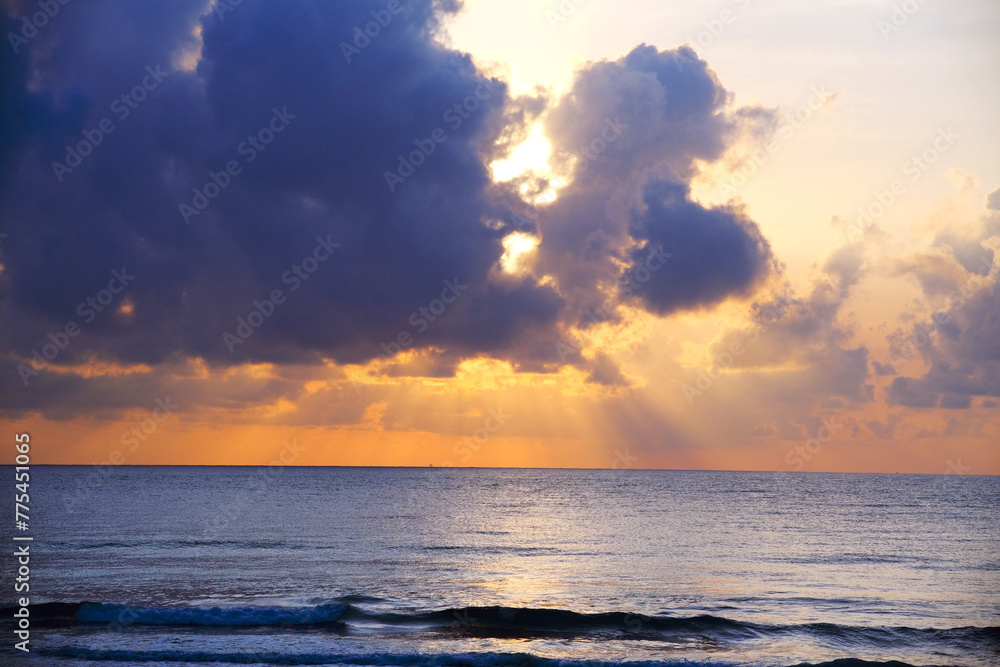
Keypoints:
pixel 476 567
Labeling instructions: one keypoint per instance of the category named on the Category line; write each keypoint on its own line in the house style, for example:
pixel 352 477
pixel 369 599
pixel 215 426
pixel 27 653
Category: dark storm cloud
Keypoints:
pixel 343 125
pixel 717 252
pixel 628 135
pixel 219 396
pixel 347 170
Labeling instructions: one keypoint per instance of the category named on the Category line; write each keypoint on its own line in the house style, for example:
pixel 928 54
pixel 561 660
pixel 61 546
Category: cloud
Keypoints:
pixel 993 201
pixel 788 330
pixel 884 430
pixel 716 252
pixel 970 253
pixel 959 341
pixel 344 125
pixel 627 138
pixel 937 271
pixel 964 356
pixel 280 198
pixel 792 362
pixel 647 108
pixel 883 369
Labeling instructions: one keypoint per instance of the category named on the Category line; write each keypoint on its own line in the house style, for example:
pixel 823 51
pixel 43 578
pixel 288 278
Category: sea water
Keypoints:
pixel 403 566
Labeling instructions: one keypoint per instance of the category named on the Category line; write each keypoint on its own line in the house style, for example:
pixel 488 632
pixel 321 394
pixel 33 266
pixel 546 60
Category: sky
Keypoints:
pixel 737 234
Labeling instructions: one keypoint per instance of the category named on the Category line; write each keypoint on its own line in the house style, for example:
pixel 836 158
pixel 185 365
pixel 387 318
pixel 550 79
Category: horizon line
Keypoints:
pixel 433 467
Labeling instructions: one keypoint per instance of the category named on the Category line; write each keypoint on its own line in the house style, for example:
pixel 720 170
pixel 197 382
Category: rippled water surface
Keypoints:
pixel 182 565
